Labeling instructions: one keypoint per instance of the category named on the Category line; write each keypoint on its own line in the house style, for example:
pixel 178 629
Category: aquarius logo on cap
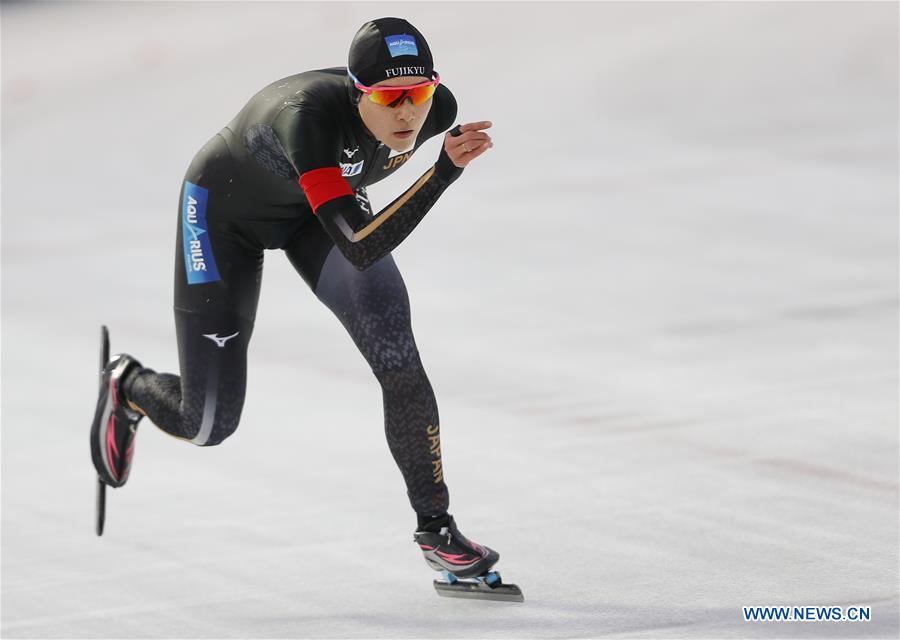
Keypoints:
pixel 401 45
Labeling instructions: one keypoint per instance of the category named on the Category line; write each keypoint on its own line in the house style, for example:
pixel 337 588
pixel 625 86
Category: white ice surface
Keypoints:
pixel 660 317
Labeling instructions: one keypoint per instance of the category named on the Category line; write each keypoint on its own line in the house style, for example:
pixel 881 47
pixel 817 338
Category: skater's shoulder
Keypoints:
pixel 319 88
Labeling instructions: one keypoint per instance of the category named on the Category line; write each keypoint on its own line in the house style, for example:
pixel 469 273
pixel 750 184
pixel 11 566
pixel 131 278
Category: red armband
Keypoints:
pixel 322 185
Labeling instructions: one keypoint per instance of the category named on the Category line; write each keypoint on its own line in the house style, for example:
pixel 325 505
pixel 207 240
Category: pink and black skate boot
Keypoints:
pixel 446 549
pixel 465 565
pixel 115 424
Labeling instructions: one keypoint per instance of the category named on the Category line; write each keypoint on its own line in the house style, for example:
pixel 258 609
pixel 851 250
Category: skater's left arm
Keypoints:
pixel 360 237
pixel 364 240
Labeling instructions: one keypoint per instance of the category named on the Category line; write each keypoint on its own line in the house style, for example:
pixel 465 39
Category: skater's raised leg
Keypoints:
pixel 203 405
pixel 217 283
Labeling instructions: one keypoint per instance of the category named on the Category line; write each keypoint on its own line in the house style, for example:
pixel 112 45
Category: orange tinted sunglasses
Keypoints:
pixel 394 96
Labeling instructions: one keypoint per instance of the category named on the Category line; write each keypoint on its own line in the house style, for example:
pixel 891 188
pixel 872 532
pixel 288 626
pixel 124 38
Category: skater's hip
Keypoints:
pixel 218 197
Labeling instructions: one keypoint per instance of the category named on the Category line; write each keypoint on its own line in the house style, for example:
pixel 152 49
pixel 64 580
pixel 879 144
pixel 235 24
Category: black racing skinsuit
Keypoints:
pixel 289 172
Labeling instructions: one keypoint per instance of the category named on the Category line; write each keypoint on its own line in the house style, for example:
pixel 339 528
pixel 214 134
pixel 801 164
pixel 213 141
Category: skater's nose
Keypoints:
pixel 405 111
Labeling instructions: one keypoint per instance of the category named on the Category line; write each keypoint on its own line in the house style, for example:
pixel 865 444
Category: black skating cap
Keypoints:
pixel 386 48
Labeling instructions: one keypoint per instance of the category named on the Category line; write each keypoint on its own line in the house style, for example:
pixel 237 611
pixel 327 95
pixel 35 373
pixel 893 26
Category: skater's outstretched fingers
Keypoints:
pixel 472 134
pixel 475 126
pixel 470 142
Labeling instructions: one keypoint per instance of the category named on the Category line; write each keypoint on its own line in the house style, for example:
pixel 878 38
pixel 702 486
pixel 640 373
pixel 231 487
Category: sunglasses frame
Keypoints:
pixel 370 90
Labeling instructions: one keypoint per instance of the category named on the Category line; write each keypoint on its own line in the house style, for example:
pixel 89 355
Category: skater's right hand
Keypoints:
pixel 470 142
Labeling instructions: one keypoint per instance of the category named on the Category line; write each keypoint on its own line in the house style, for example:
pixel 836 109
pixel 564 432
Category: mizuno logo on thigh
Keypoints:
pixel 220 341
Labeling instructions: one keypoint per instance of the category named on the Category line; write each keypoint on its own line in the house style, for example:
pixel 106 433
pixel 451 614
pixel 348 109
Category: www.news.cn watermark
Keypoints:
pixel 807 614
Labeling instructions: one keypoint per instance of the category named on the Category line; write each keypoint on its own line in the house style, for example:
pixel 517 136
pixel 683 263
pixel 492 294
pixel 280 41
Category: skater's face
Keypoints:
pixel 396 127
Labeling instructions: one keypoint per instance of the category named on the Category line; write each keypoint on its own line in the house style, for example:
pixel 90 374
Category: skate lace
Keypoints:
pixel 446 531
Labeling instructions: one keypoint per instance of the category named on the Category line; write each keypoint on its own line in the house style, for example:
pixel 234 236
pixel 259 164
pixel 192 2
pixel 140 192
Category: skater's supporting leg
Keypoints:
pixel 374 308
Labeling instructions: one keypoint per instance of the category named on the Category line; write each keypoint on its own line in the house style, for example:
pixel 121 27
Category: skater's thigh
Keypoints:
pixel 218 272
pixel 373 305
pixel 308 250
pixel 339 284
pixel 218 266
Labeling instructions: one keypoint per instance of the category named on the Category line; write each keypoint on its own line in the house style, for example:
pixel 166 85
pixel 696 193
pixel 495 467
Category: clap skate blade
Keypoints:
pixel 100 513
pixel 488 586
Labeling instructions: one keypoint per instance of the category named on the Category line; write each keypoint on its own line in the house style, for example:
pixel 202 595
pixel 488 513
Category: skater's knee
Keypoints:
pixel 210 435
pixel 406 376
pixel 218 437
